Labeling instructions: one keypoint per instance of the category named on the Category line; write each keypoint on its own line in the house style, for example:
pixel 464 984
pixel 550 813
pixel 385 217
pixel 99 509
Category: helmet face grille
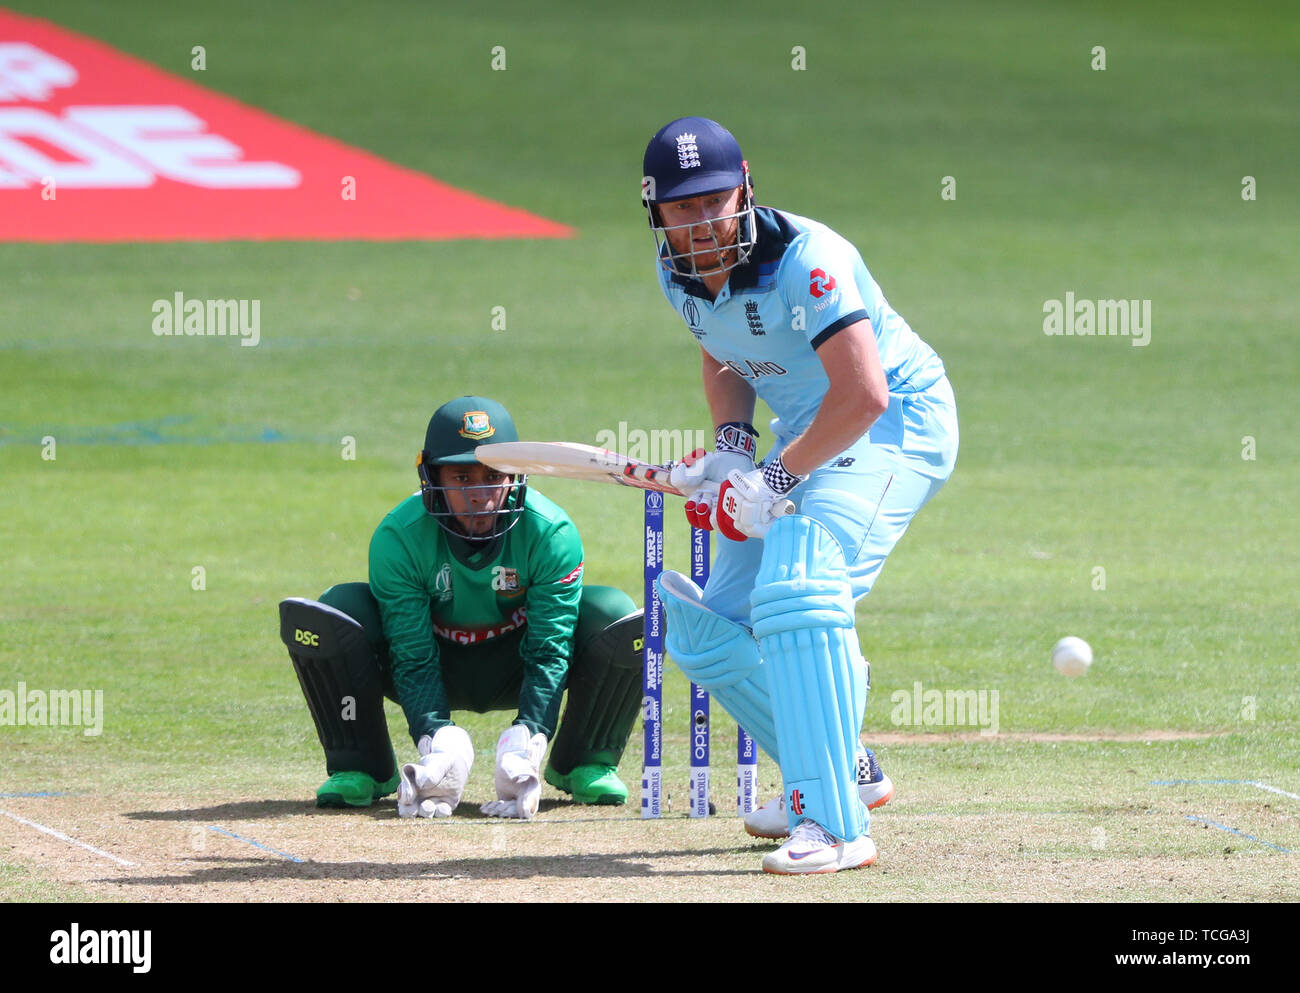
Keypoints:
pixel 503 517
pixel 687 263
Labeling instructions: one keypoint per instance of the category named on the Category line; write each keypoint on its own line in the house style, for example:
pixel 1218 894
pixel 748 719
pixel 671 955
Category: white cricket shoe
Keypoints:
pixel 813 849
pixel 875 789
pixel 769 820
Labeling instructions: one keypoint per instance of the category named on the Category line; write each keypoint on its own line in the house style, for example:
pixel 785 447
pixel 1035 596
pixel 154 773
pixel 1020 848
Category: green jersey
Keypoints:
pixel 431 586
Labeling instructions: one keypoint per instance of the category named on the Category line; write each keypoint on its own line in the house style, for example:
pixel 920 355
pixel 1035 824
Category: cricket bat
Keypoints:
pixel 570 460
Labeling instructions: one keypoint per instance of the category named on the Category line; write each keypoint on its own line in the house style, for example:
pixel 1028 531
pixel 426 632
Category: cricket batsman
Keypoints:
pixel 784 308
pixel 475 602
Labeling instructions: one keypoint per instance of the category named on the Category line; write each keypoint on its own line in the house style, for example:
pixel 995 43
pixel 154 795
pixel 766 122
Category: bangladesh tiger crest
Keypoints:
pixel 476 426
pixel 505 580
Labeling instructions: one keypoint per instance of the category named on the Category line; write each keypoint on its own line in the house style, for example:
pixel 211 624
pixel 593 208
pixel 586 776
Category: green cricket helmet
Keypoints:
pixel 455 430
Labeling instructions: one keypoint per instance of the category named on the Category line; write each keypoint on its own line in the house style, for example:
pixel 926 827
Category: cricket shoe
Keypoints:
pixel 875 789
pixel 812 849
pixel 594 784
pixel 354 789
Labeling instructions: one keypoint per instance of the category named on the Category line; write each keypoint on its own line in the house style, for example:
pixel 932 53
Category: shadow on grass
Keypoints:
pixel 252 810
pixel 515 868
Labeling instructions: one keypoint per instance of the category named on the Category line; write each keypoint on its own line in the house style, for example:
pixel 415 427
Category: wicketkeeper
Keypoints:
pixel 475 602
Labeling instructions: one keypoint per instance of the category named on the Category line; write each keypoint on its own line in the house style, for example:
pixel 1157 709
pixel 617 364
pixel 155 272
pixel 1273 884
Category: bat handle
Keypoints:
pixel 785 508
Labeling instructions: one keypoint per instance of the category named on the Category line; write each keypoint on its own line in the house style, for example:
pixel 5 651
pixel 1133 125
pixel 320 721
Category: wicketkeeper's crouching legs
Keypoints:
pixel 341 658
pixel 335 652
pixel 604 698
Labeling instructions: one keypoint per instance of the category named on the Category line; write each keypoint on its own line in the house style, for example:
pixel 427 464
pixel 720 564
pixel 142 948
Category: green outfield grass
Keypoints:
pixel 1078 454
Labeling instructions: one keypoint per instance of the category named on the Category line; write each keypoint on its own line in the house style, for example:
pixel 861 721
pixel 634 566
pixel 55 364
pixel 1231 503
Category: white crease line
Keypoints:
pixel 63 837
pixel 1223 782
pixel 1274 789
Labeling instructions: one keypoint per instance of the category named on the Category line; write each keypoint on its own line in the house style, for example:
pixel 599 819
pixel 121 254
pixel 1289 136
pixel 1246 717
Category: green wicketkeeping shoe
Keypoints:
pixel 590 784
pixel 354 789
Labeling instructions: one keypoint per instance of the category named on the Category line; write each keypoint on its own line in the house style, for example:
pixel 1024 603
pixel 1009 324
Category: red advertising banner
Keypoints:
pixel 98 146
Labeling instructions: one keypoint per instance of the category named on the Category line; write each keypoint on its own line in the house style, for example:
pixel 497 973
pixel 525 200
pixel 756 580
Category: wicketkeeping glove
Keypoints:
pixel 518 775
pixel 432 785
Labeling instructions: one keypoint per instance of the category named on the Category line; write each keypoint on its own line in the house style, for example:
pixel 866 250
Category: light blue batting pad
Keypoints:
pixel 802 609
pixel 719 655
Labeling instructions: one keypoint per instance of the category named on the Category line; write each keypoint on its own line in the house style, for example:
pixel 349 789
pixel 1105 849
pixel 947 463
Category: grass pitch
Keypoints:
pixel 1140 497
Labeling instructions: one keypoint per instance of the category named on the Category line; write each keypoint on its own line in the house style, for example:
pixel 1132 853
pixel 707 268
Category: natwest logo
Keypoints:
pixel 820 283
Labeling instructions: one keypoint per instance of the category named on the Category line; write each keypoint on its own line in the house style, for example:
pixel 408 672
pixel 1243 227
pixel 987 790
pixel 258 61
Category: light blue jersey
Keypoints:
pixel 802 284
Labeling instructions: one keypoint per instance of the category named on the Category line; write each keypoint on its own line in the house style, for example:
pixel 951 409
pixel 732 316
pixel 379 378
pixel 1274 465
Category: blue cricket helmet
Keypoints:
pixel 691 157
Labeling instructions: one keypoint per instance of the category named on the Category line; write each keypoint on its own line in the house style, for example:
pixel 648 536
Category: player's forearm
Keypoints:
pixel 541 693
pixel 548 645
pixel 414 654
pixel 841 420
pixel 856 396
pixel 422 696
pixel 729 397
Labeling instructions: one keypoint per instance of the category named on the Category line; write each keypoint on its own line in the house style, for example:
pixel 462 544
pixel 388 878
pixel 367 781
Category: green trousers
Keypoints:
pixel 603 687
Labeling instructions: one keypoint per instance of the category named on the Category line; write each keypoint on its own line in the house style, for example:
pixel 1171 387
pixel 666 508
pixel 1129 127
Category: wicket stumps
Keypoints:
pixel 652 772
pixel 652 696
pixel 699 734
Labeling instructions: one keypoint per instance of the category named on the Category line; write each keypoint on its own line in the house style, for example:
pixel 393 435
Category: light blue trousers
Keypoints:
pixel 867 496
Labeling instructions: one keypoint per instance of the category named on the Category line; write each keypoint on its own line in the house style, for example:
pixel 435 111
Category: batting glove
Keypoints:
pixel 702 507
pixel 734 446
pixel 518 775
pixel 749 503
